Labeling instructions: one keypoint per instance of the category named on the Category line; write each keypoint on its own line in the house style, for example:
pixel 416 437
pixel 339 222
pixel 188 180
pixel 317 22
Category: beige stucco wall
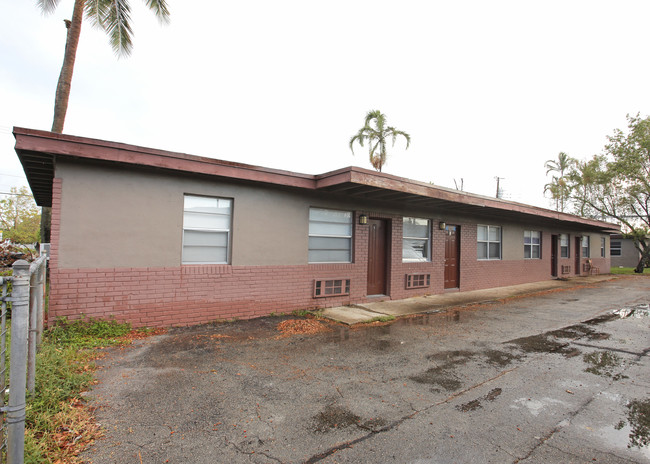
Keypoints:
pixel 113 217
pixel 629 254
pixel 117 217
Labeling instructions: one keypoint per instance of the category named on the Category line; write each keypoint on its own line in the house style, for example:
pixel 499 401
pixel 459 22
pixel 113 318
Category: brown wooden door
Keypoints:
pixel 377 256
pixel 554 239
pixel 452 256
pixel 577 255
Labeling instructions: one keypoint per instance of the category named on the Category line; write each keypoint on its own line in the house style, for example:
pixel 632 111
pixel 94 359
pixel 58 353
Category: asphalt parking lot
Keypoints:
pixel 552 377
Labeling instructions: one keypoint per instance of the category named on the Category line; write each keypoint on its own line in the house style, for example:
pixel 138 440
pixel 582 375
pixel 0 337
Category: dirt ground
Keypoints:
pixel 556 377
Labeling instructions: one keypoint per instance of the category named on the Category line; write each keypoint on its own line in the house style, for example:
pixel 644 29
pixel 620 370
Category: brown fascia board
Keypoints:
pixel 61 145
pixel 385 181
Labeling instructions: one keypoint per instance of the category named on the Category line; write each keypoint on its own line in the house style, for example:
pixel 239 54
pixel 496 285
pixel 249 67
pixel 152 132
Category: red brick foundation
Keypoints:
pixel 186 295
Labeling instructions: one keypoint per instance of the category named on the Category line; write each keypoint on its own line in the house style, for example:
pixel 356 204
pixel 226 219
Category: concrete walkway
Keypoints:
pixel 355 314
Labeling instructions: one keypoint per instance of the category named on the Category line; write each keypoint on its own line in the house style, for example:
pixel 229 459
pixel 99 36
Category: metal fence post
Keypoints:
pixel 31 337
pixel 36 310
pixel 42 277
pixel 3 363
pixel 18 363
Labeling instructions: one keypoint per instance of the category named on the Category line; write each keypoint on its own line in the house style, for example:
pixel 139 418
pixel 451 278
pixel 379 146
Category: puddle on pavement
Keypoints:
pixel 637 311
pixel 476 404
pixel 601 319
pixel 444 377
pixel 578 331
pixel 494 393
pixel 452 358
pixel 439 377
pixel 603 363
pixel 638 416
pixel 334 417
pixel 383 337
pixel 557 341
pixel 540 344
pixel 471 406
pixel 338 417
pixel 500 358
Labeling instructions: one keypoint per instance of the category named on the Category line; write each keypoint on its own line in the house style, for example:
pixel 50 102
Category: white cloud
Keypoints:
pixel 484 88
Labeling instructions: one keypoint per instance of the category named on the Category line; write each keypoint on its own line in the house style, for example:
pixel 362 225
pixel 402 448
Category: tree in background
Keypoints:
pixel 616 183
pixel 558 187
pixel 19 217
pixel 375 132
pixel 112 16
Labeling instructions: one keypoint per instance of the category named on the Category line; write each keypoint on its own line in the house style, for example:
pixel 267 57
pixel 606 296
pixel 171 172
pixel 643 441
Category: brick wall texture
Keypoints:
pixel 193 294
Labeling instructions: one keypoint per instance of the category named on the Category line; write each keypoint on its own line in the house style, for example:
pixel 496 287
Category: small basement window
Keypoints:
pixel 331 287
pixel 418 280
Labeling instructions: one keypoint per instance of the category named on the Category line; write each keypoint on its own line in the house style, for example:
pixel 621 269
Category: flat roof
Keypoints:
pixel 38 152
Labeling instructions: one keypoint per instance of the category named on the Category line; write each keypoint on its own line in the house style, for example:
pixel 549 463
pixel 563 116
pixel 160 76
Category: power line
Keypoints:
pixel 12 175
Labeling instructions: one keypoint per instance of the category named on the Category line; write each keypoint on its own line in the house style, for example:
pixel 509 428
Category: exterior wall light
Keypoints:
pixel 442 225
pixel 363 219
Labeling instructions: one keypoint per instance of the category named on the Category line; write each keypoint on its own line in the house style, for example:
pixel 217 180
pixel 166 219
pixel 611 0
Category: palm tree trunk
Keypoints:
pixel 65 78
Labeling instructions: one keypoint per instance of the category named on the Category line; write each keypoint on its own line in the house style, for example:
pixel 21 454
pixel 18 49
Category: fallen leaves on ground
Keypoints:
pixel 139 334
pixel 76 429
pixel 300 326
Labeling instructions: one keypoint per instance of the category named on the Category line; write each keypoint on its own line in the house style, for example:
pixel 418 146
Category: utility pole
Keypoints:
pixel 498 179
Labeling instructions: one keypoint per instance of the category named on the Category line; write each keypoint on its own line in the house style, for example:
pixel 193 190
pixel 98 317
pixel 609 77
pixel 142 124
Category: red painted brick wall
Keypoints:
pixel 185 295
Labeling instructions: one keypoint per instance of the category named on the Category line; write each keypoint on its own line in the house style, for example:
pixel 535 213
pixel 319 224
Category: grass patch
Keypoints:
pixel 386 318
pixel 318 314
pixel 58 424
pixel 627 271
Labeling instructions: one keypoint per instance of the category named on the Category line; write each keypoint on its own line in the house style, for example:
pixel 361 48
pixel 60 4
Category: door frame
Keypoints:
pixel 457 239
pixel 554 256
pixel 386 252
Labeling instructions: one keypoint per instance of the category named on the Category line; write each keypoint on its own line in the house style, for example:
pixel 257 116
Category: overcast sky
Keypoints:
pixel 485 89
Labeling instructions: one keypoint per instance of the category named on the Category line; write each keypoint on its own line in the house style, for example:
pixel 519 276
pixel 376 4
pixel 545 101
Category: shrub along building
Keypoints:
pixel 159 238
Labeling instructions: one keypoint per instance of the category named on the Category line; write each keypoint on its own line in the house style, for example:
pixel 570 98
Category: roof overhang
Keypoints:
pixel 39 151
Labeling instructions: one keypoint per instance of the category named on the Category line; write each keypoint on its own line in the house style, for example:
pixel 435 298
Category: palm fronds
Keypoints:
pixel 375 132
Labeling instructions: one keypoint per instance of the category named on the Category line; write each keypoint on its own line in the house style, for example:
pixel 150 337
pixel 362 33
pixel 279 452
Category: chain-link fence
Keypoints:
pixel 23 293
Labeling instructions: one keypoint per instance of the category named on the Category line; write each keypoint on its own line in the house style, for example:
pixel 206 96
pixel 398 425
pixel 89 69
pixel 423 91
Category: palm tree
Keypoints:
pixel 376 137
pixel 558 186
pixel 113 16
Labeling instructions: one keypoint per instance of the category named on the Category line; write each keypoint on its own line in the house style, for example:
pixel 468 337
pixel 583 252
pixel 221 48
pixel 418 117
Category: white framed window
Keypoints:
pixel 564 245
pixel 532 244
pixel 488 240
pixel 206 230
pixel 416 240
pixel 330 236
pixel 615 248
pixel 584 243
pixel 602 247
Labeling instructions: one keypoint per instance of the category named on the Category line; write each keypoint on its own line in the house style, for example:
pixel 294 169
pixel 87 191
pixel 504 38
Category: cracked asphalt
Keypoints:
pixel 552 377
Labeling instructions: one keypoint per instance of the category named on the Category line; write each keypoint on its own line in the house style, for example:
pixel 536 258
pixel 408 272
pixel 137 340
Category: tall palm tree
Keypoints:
pixel 558 187
pixel 376 136
pixel 112 16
